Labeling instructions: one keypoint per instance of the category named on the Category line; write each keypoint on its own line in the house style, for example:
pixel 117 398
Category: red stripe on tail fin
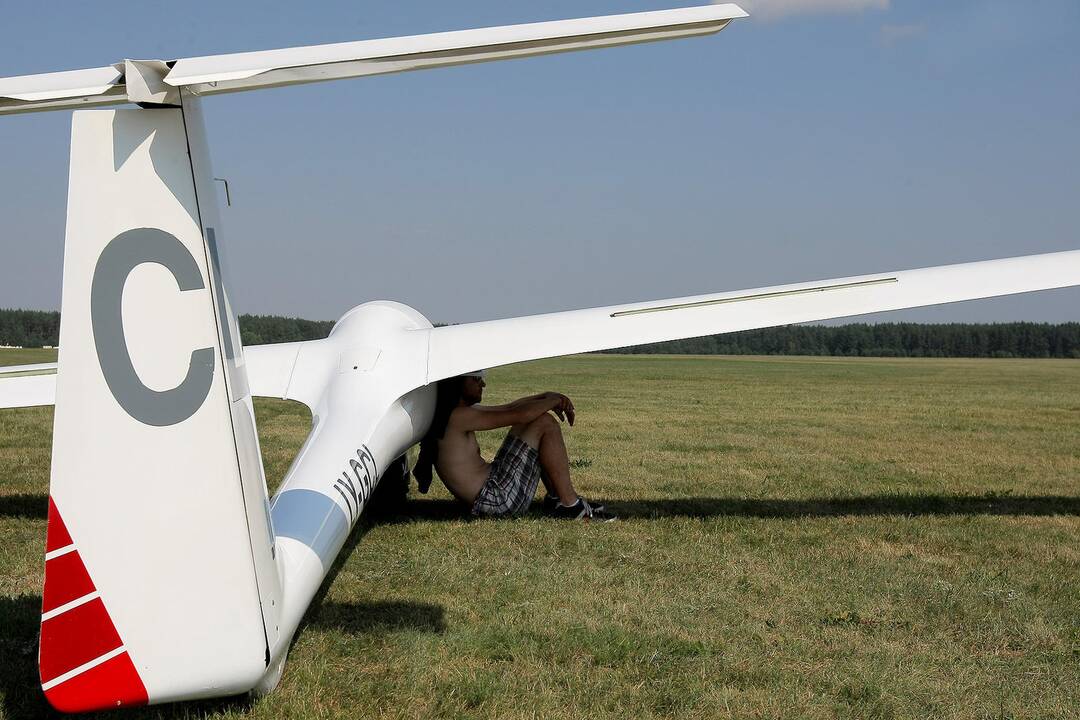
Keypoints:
pixel 57 535
pixel 66 579
pixel 75 638
pixel 79 636
pixel 113 683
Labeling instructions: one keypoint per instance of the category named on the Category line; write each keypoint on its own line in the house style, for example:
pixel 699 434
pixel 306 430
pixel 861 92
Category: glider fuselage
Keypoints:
pixel 370 412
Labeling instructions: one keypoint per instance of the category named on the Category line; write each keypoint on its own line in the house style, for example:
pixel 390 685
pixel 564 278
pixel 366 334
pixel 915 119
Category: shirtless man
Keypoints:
pixel 533 450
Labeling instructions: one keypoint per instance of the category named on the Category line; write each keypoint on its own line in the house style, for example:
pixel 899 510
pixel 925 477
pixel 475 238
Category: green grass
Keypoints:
pixel 29 356
pixel 799 538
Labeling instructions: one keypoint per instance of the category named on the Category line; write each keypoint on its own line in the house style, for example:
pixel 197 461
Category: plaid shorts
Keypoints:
pixel 510 487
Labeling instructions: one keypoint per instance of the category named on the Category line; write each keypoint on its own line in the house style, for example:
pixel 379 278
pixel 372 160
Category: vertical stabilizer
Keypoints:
pixel 160 581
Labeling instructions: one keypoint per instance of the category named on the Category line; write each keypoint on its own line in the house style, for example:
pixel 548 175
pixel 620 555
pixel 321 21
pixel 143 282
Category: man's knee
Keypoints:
pixel 532 431
pixel 545 423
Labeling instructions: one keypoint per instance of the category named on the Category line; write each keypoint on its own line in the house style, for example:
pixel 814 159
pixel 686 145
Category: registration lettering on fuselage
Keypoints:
pixel 356 484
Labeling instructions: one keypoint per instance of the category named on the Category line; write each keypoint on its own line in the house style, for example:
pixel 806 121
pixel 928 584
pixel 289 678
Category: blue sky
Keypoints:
pixel 818 139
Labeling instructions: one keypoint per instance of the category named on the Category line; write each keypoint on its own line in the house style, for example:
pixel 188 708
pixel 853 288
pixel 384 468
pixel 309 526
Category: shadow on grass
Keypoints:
pixel 185 709
pixel 367 617
pixel 702 507
pixel 20 617
pixel 377 617
pixel 24 506
pixel 20 620
pixel 423 510
pixel 20 623
pixel 869 505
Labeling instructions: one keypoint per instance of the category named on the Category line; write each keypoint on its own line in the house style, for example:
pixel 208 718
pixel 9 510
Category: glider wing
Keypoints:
pixel 27 385
pixel 460 348
pixel 269 367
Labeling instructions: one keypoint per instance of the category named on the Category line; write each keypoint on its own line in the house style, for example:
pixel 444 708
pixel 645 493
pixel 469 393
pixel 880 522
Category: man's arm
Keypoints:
pixel 565 409
pixel 527 398
pixel 523 410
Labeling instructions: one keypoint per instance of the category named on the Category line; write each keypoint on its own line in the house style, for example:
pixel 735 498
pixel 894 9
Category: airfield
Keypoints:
pixel 799 537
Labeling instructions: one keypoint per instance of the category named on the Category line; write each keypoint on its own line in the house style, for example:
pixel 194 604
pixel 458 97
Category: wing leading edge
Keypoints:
pixel 460 348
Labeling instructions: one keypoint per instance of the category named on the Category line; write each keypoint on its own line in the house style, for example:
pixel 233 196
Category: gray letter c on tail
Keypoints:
pixel 126 251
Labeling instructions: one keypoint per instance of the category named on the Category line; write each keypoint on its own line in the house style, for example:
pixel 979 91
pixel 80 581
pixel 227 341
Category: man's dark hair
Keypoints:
pixel 447 397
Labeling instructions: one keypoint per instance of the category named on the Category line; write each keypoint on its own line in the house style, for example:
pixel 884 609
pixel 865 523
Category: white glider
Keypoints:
pixel 169 573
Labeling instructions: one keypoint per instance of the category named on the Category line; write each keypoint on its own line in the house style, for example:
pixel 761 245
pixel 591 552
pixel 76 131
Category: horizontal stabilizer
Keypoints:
pixel 62 90
pixel 273 68
pixel 457 349
pixel 243 71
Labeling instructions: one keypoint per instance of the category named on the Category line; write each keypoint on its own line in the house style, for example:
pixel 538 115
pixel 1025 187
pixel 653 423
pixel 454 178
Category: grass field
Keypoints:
pixel 799 538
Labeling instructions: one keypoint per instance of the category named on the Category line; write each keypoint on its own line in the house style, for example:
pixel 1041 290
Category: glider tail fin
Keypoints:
pixel 160 577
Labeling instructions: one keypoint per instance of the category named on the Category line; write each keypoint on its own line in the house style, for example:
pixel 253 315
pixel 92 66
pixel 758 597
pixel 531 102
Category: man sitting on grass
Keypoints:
pixel 532 451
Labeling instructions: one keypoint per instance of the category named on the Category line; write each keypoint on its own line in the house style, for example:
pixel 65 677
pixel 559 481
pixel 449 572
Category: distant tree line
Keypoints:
pixel 34 328
pixel 29 328
pixel 998 340
pixel 264 329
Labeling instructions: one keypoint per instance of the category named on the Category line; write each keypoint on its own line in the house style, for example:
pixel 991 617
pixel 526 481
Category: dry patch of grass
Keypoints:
pixel 799 537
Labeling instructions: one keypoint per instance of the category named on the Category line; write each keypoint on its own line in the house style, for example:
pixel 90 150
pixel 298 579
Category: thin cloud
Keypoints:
pixel 892 34
pixel 773 9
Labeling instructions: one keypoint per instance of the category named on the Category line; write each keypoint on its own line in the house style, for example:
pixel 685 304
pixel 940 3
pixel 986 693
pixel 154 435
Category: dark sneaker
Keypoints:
pixel 550 502
pixel 581 510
